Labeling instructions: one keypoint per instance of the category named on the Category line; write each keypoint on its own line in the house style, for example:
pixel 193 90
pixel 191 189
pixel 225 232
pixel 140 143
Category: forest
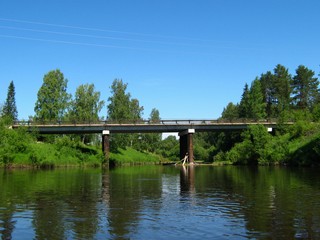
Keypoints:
pixel 276 95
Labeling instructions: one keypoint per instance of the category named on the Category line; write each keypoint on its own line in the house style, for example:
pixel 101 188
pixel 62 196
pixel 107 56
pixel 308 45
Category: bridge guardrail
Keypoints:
pixel 161 122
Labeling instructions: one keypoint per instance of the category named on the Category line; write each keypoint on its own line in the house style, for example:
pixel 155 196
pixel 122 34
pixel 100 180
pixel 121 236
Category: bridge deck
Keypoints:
pixel 141 127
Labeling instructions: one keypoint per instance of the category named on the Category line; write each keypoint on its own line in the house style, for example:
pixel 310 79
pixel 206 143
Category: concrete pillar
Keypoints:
pixel 186 144
pixel 105 145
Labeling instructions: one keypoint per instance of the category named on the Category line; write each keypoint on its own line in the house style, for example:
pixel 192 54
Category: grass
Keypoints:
pixel 45 155
pixel 131 156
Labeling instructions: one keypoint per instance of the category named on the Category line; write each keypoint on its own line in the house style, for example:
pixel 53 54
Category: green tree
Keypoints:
pixel 9 109
pixel 244 105
pixel 53 98
pixel 257 106
pixel 150 141
pixel 119 107
pixel 304 88
pixel 231 112
pixel 268 91
pixel 136 110
pixel 154 116
pixel 169 148
pixel 86 104
pixel 85 107
pixel 122 109
pixel 282 90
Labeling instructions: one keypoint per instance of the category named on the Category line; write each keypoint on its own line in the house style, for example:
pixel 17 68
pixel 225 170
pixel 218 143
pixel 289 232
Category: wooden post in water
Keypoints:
pixel 186 144
pixel 105 145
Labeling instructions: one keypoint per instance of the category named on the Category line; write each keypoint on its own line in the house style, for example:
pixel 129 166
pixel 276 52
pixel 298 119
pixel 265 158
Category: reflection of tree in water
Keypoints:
pixel 71 209
pixel 7 223
pixel 63 203
pixel 272 201
pixel 129 188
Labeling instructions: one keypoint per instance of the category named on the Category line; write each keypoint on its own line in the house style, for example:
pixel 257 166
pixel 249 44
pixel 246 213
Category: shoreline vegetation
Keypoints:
pixel 274 95
pixel 295 145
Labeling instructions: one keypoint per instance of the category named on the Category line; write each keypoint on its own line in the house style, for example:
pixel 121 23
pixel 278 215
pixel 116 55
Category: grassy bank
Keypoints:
pixel 131 156
pixel 19 148
pixel 46 155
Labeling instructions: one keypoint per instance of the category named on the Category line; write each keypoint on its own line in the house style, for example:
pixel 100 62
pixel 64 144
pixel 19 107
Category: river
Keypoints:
pixel 161 202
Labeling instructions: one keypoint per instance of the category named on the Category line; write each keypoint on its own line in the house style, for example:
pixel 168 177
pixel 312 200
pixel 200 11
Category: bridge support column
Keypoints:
pixel 186 144
pixel 105 145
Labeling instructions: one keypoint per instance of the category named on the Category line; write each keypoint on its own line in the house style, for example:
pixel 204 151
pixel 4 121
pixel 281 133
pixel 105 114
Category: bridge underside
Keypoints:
pixel 186 144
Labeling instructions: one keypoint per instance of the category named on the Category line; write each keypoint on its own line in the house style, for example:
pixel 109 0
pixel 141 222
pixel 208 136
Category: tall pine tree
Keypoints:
pixel 244 103
pixel 268 91
pixel 9 109
pixel 305 89
pixel 282 90
pixel 257 106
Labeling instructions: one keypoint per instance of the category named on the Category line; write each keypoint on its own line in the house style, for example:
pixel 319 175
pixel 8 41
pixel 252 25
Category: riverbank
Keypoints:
pixel 46 155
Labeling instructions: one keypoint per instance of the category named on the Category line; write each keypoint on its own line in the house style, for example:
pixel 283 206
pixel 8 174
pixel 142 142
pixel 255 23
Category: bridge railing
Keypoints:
pixel 160 122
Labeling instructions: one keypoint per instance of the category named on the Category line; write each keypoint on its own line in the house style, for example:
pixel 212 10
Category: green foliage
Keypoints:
pixel 276 151
pixel 85 107
pixel 301 128
pixel 307 151
pixel 169 148
pixel 53 98
pixel 282 90
pixel 252 149
pixel 276 90
pixel 200 153
pixel 132 157
pixel 316 112
pixel 252 105
pixel 86 104
pixel 19 148
pixel 259 147
pixel 122 109
pixel 244 106
pixel 12 142
pixel 257 106
pixel 231 112
pixel 9 109
pixel 150 141
pixel 304 88
pixel 268 91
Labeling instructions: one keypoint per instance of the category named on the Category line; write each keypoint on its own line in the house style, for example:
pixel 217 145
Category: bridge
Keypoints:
pixel 185 128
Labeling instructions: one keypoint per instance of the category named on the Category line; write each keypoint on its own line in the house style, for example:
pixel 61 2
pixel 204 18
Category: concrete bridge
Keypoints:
pixel 185 128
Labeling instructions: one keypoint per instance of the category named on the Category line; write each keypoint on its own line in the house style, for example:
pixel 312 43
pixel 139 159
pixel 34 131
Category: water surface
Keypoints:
pixel 161 202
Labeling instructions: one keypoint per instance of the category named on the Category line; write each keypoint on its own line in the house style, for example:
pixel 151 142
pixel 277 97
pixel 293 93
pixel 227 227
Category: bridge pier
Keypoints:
pixel 186 144
pixel 105 145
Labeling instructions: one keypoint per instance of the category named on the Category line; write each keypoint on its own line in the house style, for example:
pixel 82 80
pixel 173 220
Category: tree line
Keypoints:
pixel 55 104
pixel 274 95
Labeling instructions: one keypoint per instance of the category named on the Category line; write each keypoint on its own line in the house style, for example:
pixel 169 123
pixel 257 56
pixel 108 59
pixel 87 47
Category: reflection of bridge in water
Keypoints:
pixel 185 128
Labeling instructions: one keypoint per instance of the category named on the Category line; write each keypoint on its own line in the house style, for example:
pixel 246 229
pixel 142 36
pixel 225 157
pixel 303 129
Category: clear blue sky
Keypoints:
pixel 188 59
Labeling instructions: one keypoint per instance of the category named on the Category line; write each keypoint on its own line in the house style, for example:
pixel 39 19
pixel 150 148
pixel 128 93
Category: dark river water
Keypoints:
pixel 161 202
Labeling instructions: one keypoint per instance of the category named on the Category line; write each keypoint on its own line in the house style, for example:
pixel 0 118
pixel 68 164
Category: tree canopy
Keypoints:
pixel 122 108
pixel 53 99
pixel 304 88
pixel 86 104
pixel 9 109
